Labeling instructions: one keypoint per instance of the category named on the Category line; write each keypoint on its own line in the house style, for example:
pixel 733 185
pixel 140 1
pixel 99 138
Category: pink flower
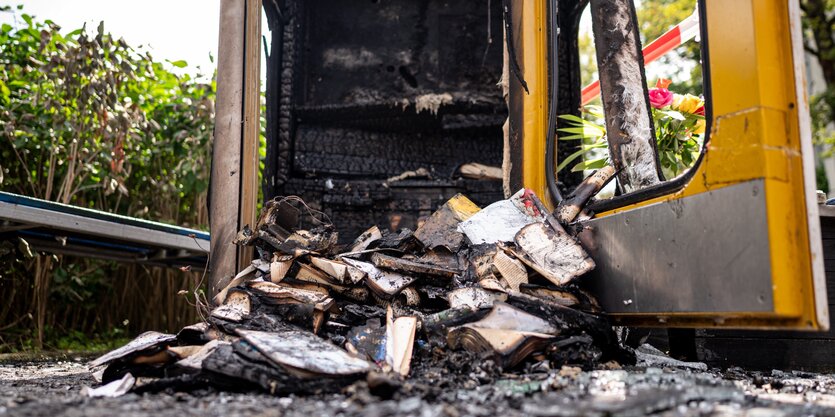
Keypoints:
pixel 660 97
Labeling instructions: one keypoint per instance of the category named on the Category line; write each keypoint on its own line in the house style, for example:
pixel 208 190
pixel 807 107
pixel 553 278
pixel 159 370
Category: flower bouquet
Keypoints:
pixel 679 121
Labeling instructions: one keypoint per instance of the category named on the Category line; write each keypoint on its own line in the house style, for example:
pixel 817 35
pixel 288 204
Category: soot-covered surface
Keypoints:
pixel 387 51
pixel 54 388
pixel 360 92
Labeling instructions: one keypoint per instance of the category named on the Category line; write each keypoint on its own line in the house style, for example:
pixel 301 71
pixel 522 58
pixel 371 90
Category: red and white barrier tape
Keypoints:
pixel 673 38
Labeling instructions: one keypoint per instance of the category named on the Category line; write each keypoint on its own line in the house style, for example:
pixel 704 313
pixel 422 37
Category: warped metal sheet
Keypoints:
pixel 704 253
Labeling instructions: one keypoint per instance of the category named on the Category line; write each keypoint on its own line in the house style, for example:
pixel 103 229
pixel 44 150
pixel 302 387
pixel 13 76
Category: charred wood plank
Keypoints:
pixel 407 266
pixel 324 150
pixel 263 317
pixel 571 206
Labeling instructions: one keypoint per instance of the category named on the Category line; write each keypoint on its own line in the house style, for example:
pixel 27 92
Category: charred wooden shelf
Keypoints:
pixel 462 112
pixel 356 203
pixel 349 106
pixel 358 153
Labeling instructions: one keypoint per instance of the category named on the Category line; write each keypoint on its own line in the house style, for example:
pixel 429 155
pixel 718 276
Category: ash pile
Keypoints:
pixel 494 288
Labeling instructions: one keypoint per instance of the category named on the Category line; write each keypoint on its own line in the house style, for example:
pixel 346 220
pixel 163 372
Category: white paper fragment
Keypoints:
pixel 506 317
pixel 98 373
pixel 400 340
pixel 112 389
pixel 387 282
pixel 555 254
pixel 235 308
pixel 510 269
pixel 261 265
pixel 500 221
pixel 648 356
pixel 473 298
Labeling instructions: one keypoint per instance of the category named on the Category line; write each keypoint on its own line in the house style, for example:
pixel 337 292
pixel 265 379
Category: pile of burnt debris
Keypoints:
pixel 494 286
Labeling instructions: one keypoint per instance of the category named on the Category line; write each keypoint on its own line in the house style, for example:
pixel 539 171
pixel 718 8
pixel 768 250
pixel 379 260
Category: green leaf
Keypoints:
pixel 564 163
pixel 591 164
pixel 596 145
pixel 579 130
pixel 572 118
pixel 179 64
pixel 687 158
pixel 6 28
pixel 4 93
pixel 587 131
pixel 571 137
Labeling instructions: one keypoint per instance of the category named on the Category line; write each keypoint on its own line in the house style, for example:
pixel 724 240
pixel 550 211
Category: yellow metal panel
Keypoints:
pixel 755 134
pixel 757 159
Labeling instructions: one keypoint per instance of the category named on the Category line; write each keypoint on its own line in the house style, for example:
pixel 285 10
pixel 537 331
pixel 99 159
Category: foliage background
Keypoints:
pixel 87 120
pixel 819 41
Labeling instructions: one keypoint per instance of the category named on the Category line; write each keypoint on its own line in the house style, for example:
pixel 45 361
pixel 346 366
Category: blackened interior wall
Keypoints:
pixel 389 50
pixel 350 93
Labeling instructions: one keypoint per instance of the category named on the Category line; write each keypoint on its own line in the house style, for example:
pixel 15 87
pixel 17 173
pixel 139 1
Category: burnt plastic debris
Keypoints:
pixel 499 286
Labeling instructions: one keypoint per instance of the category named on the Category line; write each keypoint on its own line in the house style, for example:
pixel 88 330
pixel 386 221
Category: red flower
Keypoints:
pixel 660 97
pixel 700 111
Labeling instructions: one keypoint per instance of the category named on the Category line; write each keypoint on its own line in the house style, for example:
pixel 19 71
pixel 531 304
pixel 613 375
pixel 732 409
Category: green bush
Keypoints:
pixel 87 120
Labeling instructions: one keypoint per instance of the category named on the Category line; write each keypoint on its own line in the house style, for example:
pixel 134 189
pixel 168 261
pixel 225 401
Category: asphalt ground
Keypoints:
pixel 55 387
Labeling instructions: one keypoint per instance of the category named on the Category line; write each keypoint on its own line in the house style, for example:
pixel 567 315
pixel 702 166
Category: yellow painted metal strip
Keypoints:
pixel 534 62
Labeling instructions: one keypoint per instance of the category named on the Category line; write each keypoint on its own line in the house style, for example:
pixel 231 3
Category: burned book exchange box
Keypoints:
pixel 373 107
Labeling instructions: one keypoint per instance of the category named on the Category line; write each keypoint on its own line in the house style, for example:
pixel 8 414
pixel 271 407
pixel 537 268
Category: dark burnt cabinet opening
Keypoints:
pixel 360 92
